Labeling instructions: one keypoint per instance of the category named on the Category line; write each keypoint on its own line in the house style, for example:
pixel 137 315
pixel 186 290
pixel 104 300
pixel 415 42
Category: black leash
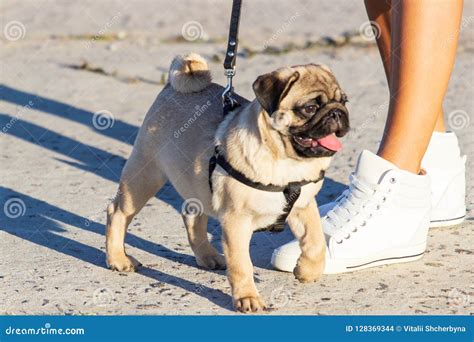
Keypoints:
pixel 229 102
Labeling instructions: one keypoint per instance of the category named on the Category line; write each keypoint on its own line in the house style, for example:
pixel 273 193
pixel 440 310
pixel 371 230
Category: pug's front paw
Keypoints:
pixel 213 261
pixel 123 263
pixel 249 304
pixel 307 271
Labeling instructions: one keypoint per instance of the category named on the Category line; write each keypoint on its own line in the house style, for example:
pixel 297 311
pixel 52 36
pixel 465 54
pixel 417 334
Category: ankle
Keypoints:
pixel 440 127
pixel 403 161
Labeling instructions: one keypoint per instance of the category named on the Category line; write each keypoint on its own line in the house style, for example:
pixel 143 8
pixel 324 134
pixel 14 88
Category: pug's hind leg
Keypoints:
pixel 306 225
pixel 137 185
pixel 236 239
pixel 206 255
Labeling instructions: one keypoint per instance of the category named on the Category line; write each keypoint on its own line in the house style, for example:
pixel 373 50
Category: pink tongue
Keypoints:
pixel 330 142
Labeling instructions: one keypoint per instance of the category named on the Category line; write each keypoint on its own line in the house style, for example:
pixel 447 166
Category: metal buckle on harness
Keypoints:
pixel 227 98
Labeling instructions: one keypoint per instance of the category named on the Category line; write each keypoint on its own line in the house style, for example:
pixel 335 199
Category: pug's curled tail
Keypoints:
pixel 189 74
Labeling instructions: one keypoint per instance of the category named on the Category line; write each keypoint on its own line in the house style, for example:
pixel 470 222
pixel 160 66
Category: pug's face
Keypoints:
pixel 307 107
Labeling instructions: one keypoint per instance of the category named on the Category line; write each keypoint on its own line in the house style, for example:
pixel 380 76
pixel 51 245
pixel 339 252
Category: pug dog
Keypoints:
pixel 285 136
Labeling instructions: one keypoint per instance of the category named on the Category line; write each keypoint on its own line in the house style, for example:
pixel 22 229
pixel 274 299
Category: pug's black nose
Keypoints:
pixel 335 114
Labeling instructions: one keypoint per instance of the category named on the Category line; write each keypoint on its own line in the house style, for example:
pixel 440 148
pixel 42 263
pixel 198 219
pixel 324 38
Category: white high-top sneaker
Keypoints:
pixel 382 218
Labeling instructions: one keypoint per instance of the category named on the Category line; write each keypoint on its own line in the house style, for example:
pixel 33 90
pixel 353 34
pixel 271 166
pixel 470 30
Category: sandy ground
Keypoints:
pixel 62 170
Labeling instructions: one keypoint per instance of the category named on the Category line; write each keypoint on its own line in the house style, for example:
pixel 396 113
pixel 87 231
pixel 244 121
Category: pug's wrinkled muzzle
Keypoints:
pixel 318 136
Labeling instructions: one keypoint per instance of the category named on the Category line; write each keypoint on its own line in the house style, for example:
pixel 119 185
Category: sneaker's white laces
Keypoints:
pixel 353 208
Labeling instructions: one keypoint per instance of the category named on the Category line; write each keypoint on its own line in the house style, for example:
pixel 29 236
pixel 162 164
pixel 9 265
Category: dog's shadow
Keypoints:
pixel 42 224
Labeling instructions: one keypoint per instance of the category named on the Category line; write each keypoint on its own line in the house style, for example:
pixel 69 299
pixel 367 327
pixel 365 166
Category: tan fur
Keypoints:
pixel 254 143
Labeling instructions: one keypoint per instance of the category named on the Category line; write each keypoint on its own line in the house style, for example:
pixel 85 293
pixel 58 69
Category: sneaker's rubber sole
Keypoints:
pixel 413 253
pixel 287 263
pixel 375 263
pixel 447 223
pixel 394 256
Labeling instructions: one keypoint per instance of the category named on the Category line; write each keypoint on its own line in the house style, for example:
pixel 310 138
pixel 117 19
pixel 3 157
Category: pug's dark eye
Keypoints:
pixel 310 110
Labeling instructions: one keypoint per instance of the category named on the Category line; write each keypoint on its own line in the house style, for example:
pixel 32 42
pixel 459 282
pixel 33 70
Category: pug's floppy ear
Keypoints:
pixel 270 89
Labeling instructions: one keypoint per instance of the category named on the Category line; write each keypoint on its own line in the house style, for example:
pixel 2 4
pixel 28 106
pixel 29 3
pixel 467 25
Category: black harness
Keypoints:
pixel 292 190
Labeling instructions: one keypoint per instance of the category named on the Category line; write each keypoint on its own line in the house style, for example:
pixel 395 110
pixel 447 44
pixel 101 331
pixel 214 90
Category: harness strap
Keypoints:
pixel 291 191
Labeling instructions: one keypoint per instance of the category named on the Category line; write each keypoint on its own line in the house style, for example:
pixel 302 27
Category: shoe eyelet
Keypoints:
pixel 393 180
pixel 354 230
pixel 378 207
pixel 339 242
pixel 384 199
pixel 347 237
pixel 363 224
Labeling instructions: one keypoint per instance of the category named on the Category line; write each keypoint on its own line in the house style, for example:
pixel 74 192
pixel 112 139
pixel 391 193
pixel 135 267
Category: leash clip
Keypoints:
pixel 227 98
